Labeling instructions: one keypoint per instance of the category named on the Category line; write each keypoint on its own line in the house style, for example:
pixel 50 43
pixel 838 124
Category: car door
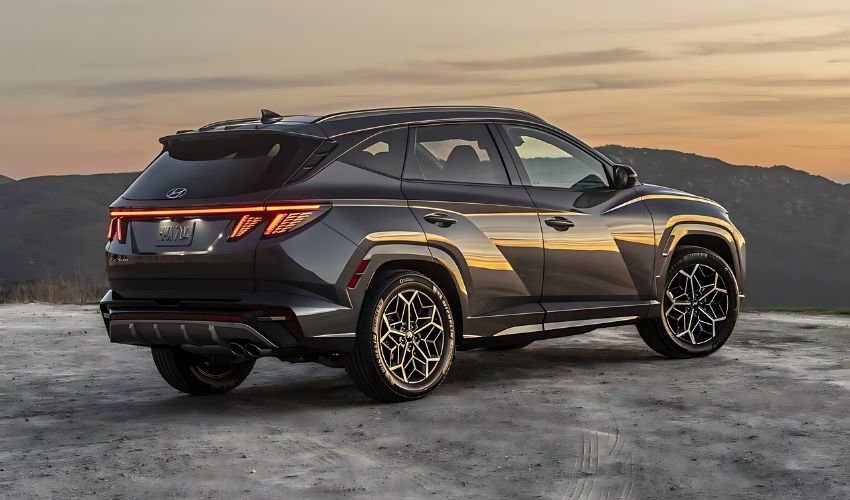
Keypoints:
pixel 475 209
pixel 598 246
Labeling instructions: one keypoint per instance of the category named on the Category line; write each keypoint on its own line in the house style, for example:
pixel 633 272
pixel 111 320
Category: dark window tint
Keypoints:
pixel 456 153
pixel 221 166
pixel 551 161
pixel 383 153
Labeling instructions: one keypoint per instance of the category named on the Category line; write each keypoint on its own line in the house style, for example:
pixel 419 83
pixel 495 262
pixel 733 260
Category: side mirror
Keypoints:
pixel 624 177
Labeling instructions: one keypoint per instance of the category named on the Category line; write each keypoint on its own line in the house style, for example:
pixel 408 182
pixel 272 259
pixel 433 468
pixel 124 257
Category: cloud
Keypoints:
pixel 439 73
pixel 811 43
pixel 738 21
pixel 562 59
pixel 782 106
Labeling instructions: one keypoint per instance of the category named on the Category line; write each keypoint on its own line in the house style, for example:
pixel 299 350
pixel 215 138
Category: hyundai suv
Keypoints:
pixel 384 240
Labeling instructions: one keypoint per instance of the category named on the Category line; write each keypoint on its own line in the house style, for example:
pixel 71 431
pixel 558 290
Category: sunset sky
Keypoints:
pixel 89 85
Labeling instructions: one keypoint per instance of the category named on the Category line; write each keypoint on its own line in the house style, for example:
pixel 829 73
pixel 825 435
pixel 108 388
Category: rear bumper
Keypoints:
pixel 273 321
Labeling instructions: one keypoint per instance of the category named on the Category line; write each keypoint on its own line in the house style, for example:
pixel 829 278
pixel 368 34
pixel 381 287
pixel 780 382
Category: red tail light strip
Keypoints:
pixel 285 218
pixel 208 211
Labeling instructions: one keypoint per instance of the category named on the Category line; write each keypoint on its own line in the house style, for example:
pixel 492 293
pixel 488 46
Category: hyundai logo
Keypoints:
pixel 175 193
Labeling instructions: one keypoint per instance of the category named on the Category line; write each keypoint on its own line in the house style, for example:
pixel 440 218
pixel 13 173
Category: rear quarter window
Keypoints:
pixel 382 153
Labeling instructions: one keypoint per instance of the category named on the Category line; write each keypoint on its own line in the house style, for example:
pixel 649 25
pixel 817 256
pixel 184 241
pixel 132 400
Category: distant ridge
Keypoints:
pixel 797 225
pixel 5 180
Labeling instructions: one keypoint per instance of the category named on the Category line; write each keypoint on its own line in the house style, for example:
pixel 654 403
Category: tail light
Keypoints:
pixel 287 221
pixel 280 218
pixel 116 229
pixel 244 226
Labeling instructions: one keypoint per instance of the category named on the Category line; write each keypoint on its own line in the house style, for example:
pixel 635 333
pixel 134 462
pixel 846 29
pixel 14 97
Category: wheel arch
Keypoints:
pixel 717 238
pixel 433 263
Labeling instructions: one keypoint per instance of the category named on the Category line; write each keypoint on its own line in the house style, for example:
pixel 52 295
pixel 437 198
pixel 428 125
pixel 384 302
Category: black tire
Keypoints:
pixel 510 347
pixel 367 363
pixel 658 333
pixel 199 375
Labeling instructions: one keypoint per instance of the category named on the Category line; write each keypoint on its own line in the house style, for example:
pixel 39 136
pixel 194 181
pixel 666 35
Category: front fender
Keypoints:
pixel 679 227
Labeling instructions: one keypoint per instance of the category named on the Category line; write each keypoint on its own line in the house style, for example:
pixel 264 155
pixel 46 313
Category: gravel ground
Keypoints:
pixel 594 416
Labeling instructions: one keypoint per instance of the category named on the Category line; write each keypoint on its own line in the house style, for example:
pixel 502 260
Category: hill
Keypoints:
pixel 6 180
pixel 56 225
pixel 796 224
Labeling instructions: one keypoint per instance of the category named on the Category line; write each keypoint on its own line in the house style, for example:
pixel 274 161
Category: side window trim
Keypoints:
pixel 410 161
pixel 505 152
pixel 526 180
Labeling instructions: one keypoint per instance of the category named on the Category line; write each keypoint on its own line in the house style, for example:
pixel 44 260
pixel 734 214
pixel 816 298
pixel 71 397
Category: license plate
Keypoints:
pixel 175 234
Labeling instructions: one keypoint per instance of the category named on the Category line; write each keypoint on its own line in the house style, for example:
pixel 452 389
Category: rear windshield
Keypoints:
pixel 221 166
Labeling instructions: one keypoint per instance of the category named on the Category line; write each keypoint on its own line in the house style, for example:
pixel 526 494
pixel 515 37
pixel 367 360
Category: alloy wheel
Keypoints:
pixel 412 337
pixel 696 304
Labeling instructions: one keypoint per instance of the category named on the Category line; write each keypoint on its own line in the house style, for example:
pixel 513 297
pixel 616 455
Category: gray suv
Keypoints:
pixel 384 240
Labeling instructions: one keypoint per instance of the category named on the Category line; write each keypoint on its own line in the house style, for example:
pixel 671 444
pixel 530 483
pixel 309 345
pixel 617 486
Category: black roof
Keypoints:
pixel 347 122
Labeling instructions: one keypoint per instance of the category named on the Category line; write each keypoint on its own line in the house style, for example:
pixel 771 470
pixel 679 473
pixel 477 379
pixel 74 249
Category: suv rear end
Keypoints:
pixel 186 240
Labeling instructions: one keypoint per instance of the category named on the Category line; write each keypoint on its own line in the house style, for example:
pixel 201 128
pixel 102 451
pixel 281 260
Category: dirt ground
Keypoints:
pixel 594 416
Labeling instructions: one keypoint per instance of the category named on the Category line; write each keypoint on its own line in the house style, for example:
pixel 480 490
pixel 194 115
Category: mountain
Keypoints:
pixel 6 180
pixel 56 225
pixel 797 225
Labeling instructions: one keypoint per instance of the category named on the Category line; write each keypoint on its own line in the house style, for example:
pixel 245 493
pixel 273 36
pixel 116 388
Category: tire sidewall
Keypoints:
pixel 400 283
pixel 700 256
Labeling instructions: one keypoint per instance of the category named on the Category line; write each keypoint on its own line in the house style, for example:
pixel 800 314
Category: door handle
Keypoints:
pixel 439 219
pixel 559 223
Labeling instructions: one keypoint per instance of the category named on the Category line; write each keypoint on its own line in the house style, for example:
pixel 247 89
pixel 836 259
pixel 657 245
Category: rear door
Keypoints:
pixel 189 225
pixel 475 209
pixel 598 254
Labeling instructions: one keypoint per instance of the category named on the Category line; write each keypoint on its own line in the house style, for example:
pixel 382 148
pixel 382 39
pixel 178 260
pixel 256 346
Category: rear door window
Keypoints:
pixel 463 153
pixel 221 166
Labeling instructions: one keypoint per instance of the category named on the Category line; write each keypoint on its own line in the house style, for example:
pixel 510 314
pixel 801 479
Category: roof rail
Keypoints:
pixel 341 114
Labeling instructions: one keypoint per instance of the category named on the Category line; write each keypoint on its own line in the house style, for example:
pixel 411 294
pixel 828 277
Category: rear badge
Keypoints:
pixel 175 234
pixel 175 193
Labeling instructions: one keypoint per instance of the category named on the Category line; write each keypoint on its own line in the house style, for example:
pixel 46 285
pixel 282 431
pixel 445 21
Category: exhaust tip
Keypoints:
pixel 253 350
pixel 236 349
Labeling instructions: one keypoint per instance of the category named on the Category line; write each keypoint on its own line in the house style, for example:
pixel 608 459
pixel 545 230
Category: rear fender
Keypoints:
pixel 416 257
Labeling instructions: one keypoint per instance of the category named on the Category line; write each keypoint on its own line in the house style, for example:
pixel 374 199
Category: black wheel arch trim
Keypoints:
pixel 395 255
pixel 718 229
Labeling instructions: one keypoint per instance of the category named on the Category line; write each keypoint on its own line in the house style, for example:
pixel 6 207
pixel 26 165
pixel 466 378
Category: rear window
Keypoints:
pixel 221 166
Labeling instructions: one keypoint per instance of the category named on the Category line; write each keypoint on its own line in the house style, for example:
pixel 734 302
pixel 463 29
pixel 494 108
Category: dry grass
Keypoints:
pixel 53 290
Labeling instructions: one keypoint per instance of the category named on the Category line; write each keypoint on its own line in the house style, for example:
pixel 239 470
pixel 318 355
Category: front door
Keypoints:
pixel 476 210
pixel 598 247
